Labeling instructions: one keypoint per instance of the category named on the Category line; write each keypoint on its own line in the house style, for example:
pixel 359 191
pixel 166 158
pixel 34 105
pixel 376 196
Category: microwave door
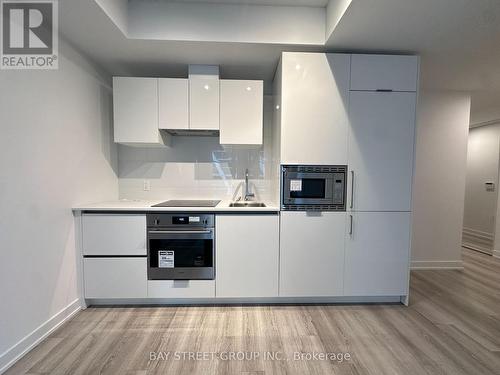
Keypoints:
pixel 306 188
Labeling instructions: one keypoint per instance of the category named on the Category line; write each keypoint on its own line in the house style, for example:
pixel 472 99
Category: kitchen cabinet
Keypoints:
pixel 377 254
pixel 314 107
pixel 135 111
pixel 115 277
pixel 312 254
pixel 114 234
pixel 241 112
pixel 247 252
pixel 381 148
pixel 203 97
pixel 181 288
pixel 173 98
pixel 384 72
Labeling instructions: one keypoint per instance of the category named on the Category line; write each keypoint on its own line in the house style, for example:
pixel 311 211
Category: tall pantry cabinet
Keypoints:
pixel 382 106
pixel 355 110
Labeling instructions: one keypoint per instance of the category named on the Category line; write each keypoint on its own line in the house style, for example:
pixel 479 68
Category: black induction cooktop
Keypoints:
pixel 188 203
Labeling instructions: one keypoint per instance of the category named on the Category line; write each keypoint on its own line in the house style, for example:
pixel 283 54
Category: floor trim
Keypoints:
pixel 17 351
pixel 496 253
pixel 438 265
pixel 243 301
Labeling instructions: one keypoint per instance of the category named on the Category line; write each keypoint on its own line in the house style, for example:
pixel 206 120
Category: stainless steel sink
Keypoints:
pixel 247 204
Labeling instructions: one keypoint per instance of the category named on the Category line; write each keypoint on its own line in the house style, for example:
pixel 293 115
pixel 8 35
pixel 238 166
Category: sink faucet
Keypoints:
pixel 248 195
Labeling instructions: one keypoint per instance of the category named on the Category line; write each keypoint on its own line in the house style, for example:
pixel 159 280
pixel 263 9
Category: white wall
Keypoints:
pixel 197 168
pixel 439 180
pixel 334 12
pixel 242 23
pixel 480 205
pixel 55 152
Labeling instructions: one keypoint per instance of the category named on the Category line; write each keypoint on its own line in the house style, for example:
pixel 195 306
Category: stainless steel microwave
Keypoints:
pixel 313 187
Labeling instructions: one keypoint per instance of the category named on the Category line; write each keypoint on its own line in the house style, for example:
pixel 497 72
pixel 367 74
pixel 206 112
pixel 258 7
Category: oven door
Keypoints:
pixel 303 188
pixel 181 254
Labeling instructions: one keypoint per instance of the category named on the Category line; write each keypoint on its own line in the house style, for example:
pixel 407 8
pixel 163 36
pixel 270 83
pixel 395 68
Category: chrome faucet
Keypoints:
pixel 248 195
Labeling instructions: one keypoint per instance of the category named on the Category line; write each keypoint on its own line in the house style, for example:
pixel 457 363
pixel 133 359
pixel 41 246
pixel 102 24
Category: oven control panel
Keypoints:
pixel 189 220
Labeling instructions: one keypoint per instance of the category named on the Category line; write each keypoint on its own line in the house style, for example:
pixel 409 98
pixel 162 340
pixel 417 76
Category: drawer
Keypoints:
pixel 383 72
pixel 109 234
pixel 115 277
pixel 181 288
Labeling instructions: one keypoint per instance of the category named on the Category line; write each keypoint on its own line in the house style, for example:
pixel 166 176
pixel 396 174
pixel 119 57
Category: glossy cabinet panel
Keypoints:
pixel 114 234
pixel 135 111
pixel 115 277
pixel 247 253
pixel 173 96
pixel 312 254
pixel 204 103
pixel 381 143
pixel 241 112
pixel 384 72
pixel 314 108
pixel 377 254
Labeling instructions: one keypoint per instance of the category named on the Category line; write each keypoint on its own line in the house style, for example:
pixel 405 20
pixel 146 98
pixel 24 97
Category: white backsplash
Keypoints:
pixel 197 168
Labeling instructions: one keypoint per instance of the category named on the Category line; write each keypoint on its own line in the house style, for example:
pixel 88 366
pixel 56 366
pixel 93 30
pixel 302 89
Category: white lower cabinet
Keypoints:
pixel 114 234
pixel 312 254
pixel 181 288
pixel 377 254
pixel 247 253
pixel 115 277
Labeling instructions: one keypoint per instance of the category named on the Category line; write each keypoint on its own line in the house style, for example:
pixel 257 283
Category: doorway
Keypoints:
pixel 481 188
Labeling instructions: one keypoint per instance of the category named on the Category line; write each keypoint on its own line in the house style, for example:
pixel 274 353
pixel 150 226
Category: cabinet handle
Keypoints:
pixel 350 224
pixel 351 205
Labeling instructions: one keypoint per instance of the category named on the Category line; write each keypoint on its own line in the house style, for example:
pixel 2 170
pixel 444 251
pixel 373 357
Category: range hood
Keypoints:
pixel 203 102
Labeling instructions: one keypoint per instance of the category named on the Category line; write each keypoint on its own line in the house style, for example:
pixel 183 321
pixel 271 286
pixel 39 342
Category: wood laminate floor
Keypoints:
pixel 451 327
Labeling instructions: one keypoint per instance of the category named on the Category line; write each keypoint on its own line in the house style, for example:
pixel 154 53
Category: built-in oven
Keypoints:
pixel 181 246
pixel 313 187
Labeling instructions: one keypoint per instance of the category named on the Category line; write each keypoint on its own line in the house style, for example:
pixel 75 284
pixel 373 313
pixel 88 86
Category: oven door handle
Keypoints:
pixel 188 232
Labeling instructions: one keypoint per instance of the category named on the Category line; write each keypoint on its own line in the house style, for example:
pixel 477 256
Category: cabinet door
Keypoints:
pixel 312 254
pixel 135 110
pixel 115 277
pixel 203 103
pixel 241 112
pixel 247 248
pixel 114 234
pixel 181 288
pixel 314 122
pixel 173 103
pixel 377 254
pixel 381 143
pixel 382 72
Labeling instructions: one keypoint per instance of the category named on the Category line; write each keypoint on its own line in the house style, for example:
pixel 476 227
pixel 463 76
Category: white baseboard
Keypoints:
pixel 438 265
pixel 496 253
pixel 17 351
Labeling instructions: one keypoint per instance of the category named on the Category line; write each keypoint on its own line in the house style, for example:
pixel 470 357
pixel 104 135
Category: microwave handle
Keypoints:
pixel 351 205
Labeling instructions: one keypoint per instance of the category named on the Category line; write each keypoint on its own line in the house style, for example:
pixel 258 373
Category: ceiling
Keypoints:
pixel 310 3
pixel 459 41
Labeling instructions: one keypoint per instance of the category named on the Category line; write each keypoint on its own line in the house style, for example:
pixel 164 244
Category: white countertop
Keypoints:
pixel 141 205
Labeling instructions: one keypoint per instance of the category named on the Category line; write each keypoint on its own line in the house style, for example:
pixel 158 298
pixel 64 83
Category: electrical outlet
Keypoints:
pixel 146 185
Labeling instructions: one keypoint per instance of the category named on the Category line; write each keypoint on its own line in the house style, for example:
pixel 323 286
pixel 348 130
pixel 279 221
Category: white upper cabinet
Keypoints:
pixel 312 254
pixel 241 112
pixel 203 97
pixel 135 111
pixel 173 96
pixel 383 72
pixel 377 254
pixel 247 255
pixel 381 143
pixel 314 108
